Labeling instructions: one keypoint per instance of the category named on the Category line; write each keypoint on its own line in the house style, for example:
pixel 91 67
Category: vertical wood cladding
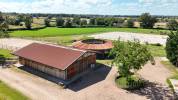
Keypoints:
pixel 81 65
pixel 44 68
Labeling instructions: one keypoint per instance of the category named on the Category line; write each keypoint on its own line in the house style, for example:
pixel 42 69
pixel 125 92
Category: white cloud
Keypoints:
pixel 92 6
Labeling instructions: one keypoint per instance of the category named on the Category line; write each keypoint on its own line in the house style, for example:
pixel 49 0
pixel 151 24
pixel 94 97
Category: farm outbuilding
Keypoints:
pixel 58 61
pixel 98 46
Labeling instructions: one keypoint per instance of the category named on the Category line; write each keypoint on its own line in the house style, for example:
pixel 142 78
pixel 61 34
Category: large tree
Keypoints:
pixel 3 27
pixel 68 23
pixel 129 56
pixel 92 21
pixel 172 25
pixel 47 22
pixel 2 60
pixel 172 47
pixel 130 23
pixel 76 21
pixel 60 22
pixel 83 22
pixel 147 21
pixel 28 21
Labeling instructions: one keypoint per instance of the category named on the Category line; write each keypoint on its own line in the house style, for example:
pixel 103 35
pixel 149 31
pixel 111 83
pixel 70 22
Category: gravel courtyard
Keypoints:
pixel 150 38
pixel 96 85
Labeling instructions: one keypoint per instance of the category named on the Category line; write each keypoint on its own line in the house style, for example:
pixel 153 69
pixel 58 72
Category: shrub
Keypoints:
pixel 172 47
pixel 130 84
pixel 172 25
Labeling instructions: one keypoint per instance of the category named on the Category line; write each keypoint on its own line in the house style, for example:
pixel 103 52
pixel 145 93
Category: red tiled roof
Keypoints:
pixel 86 46
pixel 55 56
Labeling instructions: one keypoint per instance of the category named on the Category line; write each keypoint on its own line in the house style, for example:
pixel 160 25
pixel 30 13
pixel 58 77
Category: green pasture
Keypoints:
pixel 5 53
pixel 53 31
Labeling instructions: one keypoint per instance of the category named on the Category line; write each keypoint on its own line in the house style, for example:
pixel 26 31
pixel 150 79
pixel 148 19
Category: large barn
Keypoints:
pixel 59 61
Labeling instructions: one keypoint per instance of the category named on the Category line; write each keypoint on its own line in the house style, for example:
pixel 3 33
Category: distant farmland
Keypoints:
pixel 52 32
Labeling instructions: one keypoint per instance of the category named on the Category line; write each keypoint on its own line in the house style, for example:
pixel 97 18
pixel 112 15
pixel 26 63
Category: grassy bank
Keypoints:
pixel 157 51
pixel 174 71
pixel 5 53
pixel 52 31
pixel 8 93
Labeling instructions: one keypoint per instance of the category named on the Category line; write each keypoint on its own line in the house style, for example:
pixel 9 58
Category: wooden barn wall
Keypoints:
pixel 81 65
pixel 46 69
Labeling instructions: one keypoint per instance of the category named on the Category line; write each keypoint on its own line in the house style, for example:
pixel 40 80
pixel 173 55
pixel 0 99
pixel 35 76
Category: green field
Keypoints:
pixel 157 51
pixel 7 93
pixel 52 32
pixel 5 53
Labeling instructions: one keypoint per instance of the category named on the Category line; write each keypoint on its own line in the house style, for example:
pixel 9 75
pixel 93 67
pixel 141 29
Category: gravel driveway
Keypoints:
pixel 96 85
pixel 150 38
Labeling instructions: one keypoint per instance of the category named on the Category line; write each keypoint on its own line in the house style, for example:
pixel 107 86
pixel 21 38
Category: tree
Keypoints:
pixel 76 21
pixel 47 22
pixel 129 56
pixel 130 23
pixel 60 21
pixel 100 21
pixel 28 21
pixel 83 22
pixel 147 21
pixel 1 18
pixel 3 27
pixel 120 22
pixel 21 17
pixel 172 48
pixel 92 21
pixel 2 60
pixel 68 23
pixel 172 25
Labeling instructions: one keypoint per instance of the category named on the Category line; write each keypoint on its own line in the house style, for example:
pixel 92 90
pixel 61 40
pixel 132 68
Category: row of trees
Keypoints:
pixel 146 21
pixel 93 22
pixel 3 27
pixel 19 20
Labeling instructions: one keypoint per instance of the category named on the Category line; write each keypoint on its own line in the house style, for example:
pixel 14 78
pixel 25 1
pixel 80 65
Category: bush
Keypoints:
pixel 156 44
pixel 172 25
pixel 130 84
pixel 171 48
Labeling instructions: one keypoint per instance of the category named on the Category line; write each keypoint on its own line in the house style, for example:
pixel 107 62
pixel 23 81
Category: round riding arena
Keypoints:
pixel 100 47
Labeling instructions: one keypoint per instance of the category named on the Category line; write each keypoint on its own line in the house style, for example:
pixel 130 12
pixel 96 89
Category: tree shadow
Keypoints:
pixel 91 78
pixel 155 91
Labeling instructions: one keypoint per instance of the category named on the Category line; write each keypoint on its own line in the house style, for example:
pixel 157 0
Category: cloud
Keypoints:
pixel 127 7
pixel 54 6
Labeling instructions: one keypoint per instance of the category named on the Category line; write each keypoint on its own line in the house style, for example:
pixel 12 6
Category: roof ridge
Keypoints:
pixel 65 47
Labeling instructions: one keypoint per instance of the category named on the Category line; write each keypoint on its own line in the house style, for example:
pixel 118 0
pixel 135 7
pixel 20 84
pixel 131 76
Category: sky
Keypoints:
pixel 103 7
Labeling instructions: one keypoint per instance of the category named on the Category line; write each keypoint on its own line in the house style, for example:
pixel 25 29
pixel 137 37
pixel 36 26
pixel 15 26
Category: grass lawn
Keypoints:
pixel 105 62
pixel 174 71
pixel 53 31
pixel 5 53
pixel 157 51
pixel 7 93
pixel 62 40
pixel 134 83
